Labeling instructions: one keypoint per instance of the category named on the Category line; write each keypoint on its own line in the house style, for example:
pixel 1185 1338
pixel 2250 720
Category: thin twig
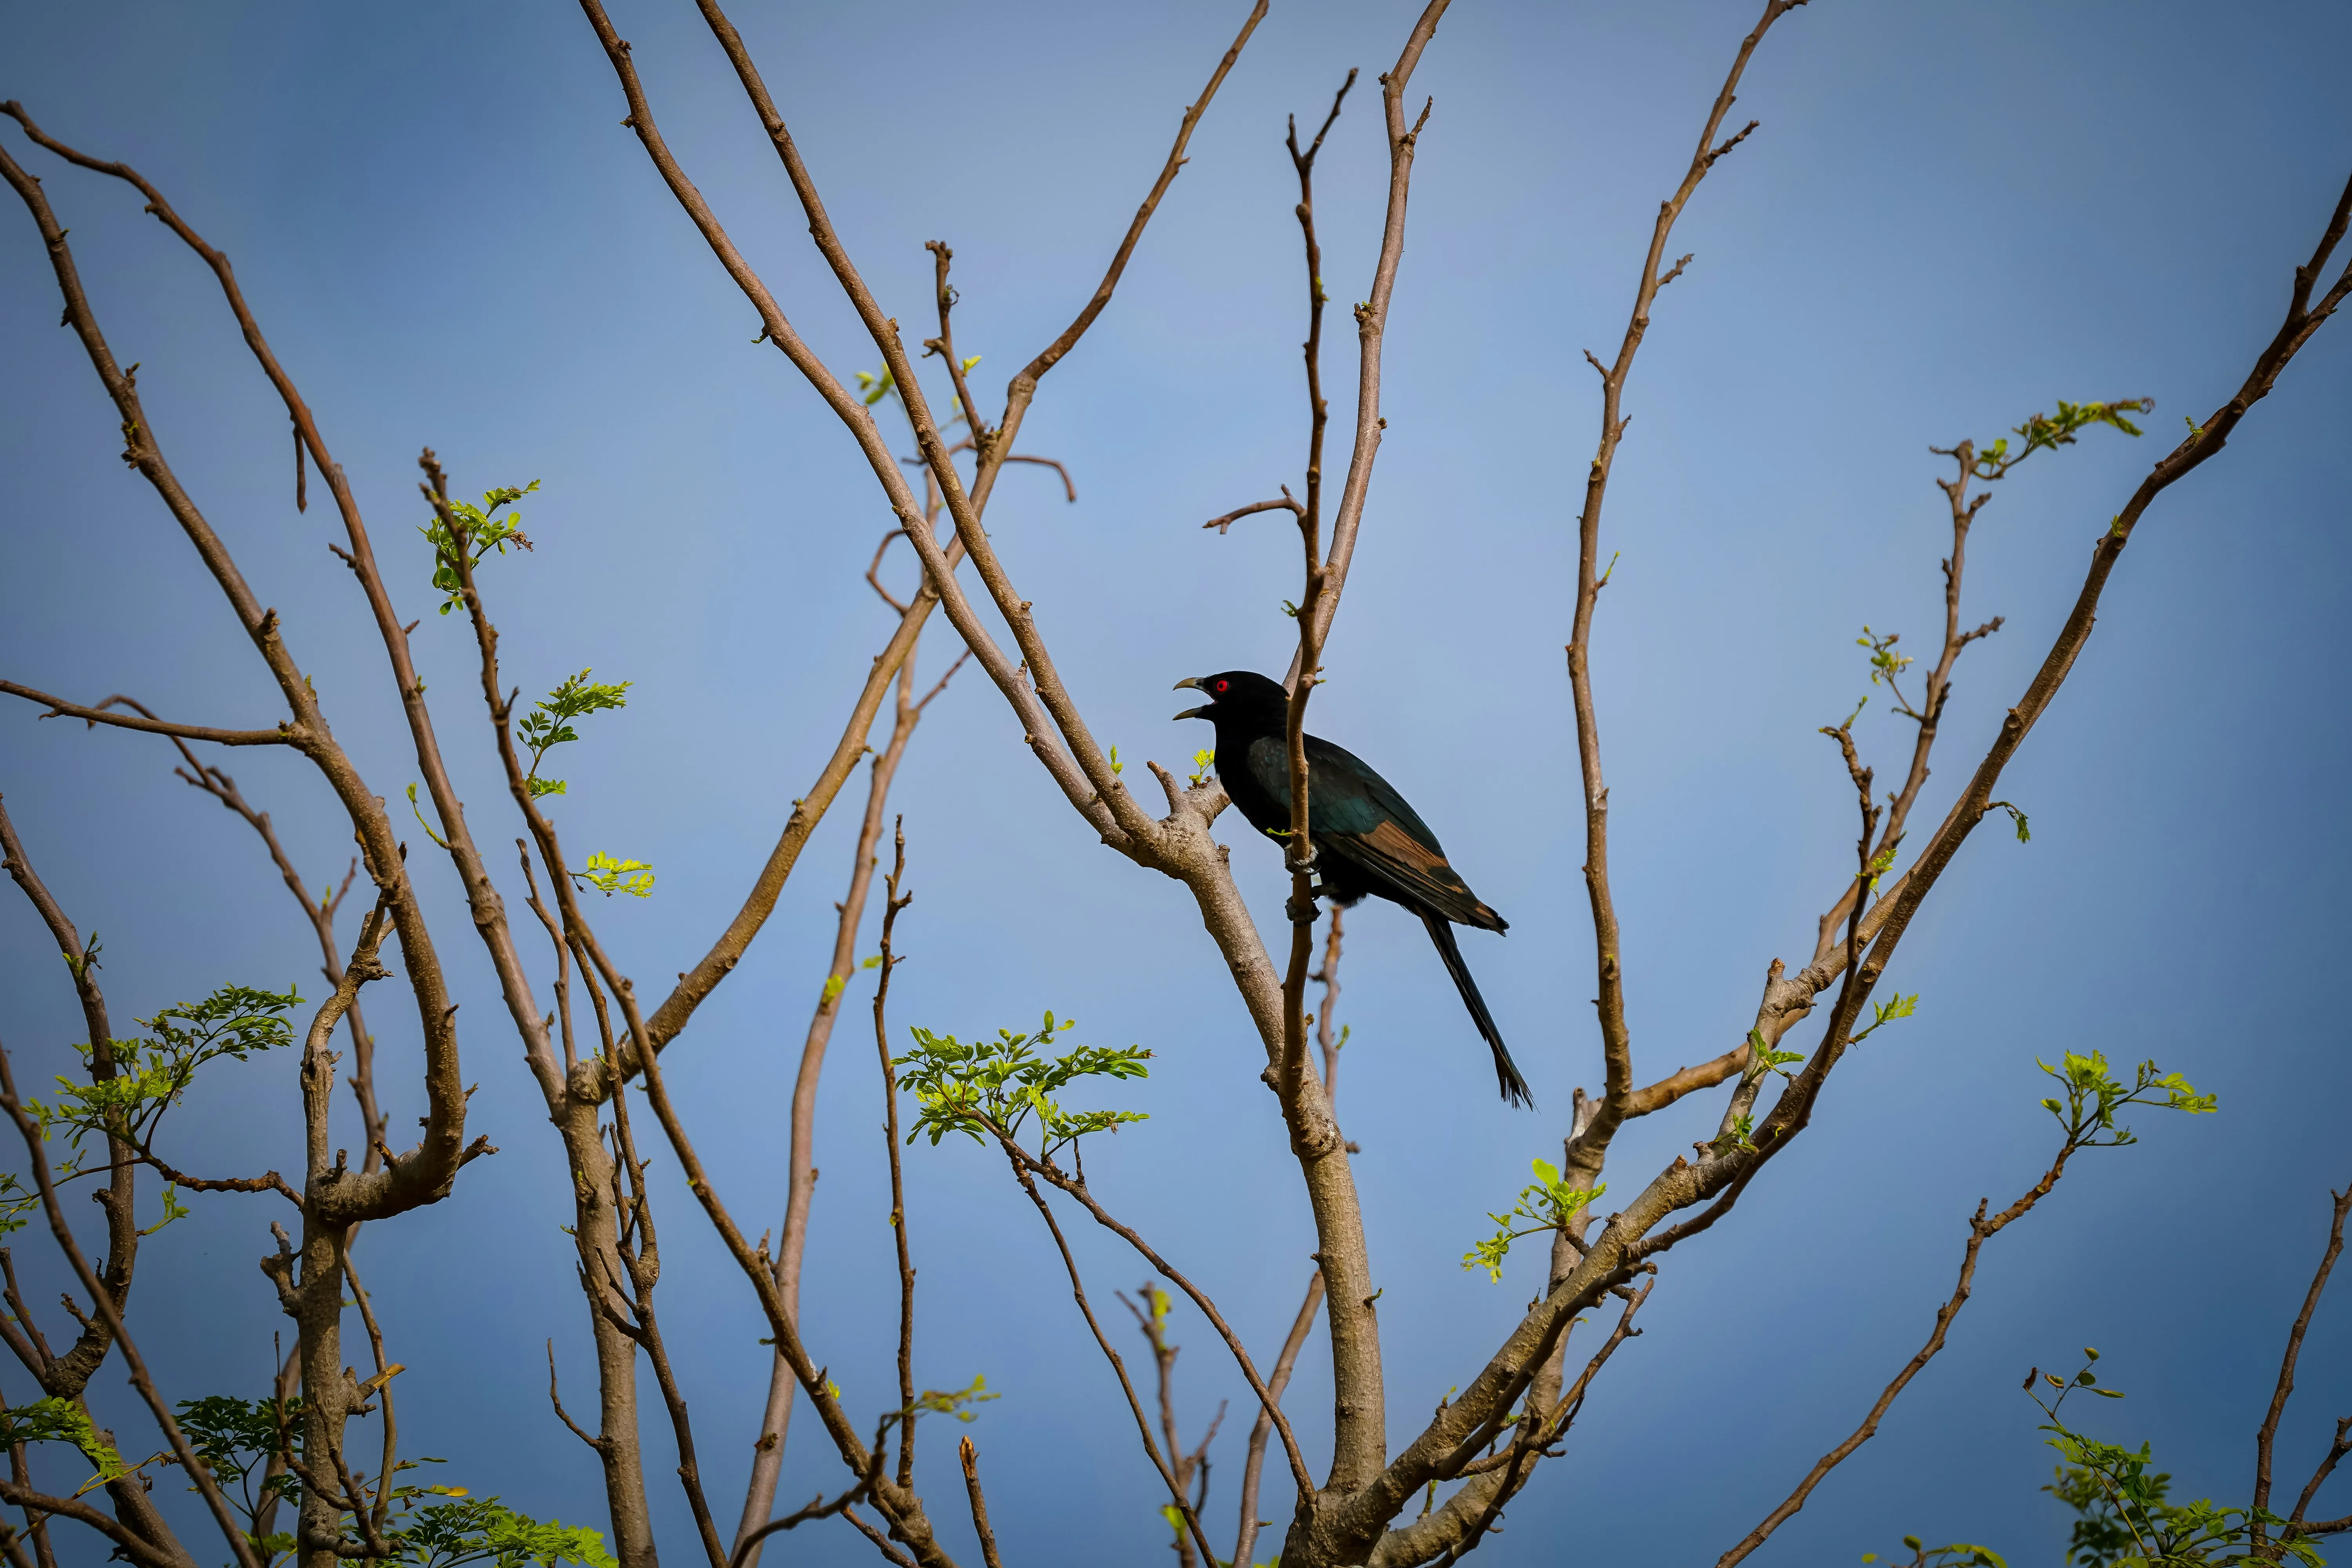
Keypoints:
pixel 1980 1230
pixel 2267 1434
pixel 58 708
pixel 556 1398
pixel 1285 504
pixel 36 1154
pixel 1246 1541
pixel 971 1457
pixel 893 902
pixel 1142 1423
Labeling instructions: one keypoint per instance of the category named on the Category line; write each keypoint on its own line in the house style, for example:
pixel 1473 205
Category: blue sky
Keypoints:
pixel 1952 216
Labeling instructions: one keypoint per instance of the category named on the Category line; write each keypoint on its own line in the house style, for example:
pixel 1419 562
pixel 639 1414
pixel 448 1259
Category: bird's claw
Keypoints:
pixel 1302 912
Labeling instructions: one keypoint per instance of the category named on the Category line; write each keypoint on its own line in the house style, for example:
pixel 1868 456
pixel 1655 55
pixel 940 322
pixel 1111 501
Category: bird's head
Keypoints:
pixel 1234 694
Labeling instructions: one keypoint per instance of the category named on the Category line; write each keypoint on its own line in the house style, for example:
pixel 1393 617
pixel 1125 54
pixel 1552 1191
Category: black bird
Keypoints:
pixel 1367 839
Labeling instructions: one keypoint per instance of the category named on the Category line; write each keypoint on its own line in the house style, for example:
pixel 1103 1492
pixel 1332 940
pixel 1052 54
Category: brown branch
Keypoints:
pixel 944 346
pixel 1590 1152
pixel 1538 1436
pixel 1980 1230
pixel 1070 488
pixel 640 1255
pixel 1023 386
pixel 1358 1394
pixel 1079 783
pixel 901 1506
pixel 745 1551
pixel 874 1535
pixel 36 1155
pixel 893 902
pixel 23 1335
pixel 874 568
pixel 65 1376
pixel 267 1181
pixel 425 1175
pixel 135 1547
pixel 799 1163
pixel 1176 1492
pixel 1681 1184
pixel 319 911
pixel 562 958
pixel 36 1523
pixel 971 1457
pixel 939 565
pixel 1686 1081
pixel 1245 1542
pixel 1457 1528
pixel 287 734
pixel 556 1399
pixel 1077 1189
pixel 2325 1526
pixel 1153 1324
pixel 1285 504
pixel 385 1373
pixel 2325 1467
pixel 2267 1433
pixel 1034 688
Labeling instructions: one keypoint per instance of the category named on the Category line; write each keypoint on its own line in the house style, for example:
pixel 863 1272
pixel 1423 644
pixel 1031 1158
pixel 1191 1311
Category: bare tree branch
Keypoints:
pixel 2266 1436
pixel 58 708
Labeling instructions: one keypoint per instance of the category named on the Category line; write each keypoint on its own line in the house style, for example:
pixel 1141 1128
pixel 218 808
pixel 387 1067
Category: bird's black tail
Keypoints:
pixel 1441 931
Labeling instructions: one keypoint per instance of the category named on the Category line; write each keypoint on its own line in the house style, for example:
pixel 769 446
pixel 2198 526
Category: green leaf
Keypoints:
pixel 151 1074
pixel 2042 431
pixel 609 876
pixel 478 530
pixel 484 1530
pixel 1548 1205
pixel 54 1420
pixel 549 722
pixel 1001 1086
pixel 1887 1012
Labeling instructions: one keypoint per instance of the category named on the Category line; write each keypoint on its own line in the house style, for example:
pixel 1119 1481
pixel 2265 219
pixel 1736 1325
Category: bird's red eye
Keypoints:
pixel 1221 686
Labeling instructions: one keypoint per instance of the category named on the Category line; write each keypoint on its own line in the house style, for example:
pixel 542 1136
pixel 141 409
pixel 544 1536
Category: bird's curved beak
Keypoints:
pixel 1194 682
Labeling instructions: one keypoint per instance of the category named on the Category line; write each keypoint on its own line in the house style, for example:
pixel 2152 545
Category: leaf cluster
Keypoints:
pixel 1885 664
pixel 432 1526
pixel 235 1438
pixel 149 1075
pixel 2042 431
pixel 484 1530
pixel 2093 1096
pixel 609 876
pixel 1885 1012
pixel 2124 1516
pixel 549 722
pixel 479 530
pixel 999 1087
pixel 149 1078
pixel 1762 1058
pixel 54 1420
pixel 955 1402
pixel 1548 1204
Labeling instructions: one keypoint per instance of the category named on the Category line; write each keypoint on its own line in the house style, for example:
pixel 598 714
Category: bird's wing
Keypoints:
pixel 1405 869
pixel 1364 819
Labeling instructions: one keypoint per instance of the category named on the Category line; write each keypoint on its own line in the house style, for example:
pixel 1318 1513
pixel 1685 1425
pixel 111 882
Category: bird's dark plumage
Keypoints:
pixel 1367 838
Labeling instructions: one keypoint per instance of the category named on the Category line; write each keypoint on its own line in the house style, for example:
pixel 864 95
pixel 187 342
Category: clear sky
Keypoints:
pixel 1952 216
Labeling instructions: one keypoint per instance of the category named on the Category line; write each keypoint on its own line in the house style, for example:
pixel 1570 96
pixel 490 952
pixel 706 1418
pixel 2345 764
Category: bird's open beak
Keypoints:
pixel 1194 682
